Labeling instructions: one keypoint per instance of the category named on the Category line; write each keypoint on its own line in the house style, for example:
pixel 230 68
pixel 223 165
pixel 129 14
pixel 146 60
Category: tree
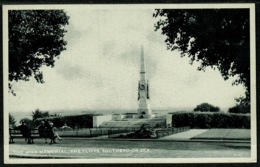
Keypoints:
pixel 206 107
pixel 39 114
pixel 218 38
pixel 12 121
pixel 36 38
pixel 242 106
pixel 28 122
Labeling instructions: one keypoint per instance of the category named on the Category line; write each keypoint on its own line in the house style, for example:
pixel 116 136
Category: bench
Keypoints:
pixel 30 136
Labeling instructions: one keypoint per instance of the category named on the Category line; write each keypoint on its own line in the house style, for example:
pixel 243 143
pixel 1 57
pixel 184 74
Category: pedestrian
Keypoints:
pixel 53 133
pixel 42 129
pixel 25 131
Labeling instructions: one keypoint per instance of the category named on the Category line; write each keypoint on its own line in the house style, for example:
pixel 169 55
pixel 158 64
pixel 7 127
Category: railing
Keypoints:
pixel 111 132
pixel 119 131
pixel 169 131
pixel 94 132
pixel 158 132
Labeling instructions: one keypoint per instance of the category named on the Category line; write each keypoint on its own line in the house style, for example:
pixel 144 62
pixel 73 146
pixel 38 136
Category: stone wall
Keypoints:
pixel 99 119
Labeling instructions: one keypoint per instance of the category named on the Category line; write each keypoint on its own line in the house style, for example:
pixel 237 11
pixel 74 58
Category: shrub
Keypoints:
pixel 28 122
pixel 210 120
pixel 12 121
pixel 185 120
pixel 205 107
pixel 242 106
pixel 239 109
pixel 79 121
pixel 75 121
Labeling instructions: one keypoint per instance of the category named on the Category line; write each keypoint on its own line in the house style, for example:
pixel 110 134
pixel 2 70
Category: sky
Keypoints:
pixel 100 69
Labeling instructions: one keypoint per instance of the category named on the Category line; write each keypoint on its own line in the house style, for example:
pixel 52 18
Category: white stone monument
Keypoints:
pixel 144 110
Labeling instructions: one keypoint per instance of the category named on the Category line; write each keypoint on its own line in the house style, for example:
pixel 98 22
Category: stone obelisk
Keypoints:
pixel 144 110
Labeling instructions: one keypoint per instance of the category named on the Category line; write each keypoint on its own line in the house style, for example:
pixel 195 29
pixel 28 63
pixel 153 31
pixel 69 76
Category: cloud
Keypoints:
pixel 69 71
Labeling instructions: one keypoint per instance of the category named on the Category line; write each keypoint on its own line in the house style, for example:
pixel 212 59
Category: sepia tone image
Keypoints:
pixel 129 83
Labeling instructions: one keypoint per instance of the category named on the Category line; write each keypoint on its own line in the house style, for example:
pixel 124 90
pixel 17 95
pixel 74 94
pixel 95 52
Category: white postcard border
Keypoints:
pixel 253 157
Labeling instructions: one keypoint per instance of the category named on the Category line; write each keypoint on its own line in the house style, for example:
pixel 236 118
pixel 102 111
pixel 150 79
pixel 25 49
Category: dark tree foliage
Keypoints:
pixel 28 122
pixel 36 38
pixel 206 107
pixel 12 121
pixel 218 38
pixel 242 106
pixel 39 114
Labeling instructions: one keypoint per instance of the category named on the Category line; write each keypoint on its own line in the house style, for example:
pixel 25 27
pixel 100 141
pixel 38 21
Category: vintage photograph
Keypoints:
pixel 129 83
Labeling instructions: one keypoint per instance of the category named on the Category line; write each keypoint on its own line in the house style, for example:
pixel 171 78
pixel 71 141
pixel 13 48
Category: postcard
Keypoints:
pixel 129 83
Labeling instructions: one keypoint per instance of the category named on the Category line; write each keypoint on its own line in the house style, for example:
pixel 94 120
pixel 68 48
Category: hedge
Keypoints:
pixel 76 121
pixel 79 121
pixel 210 120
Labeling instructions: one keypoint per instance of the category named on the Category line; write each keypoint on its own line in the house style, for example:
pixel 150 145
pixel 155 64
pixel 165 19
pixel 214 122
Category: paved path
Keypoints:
pixel 225 134
pixel 184 135
pixel 81 148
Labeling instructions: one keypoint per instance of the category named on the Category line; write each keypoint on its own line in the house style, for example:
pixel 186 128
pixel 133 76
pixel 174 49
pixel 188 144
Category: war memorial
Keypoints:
pixel 144 113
